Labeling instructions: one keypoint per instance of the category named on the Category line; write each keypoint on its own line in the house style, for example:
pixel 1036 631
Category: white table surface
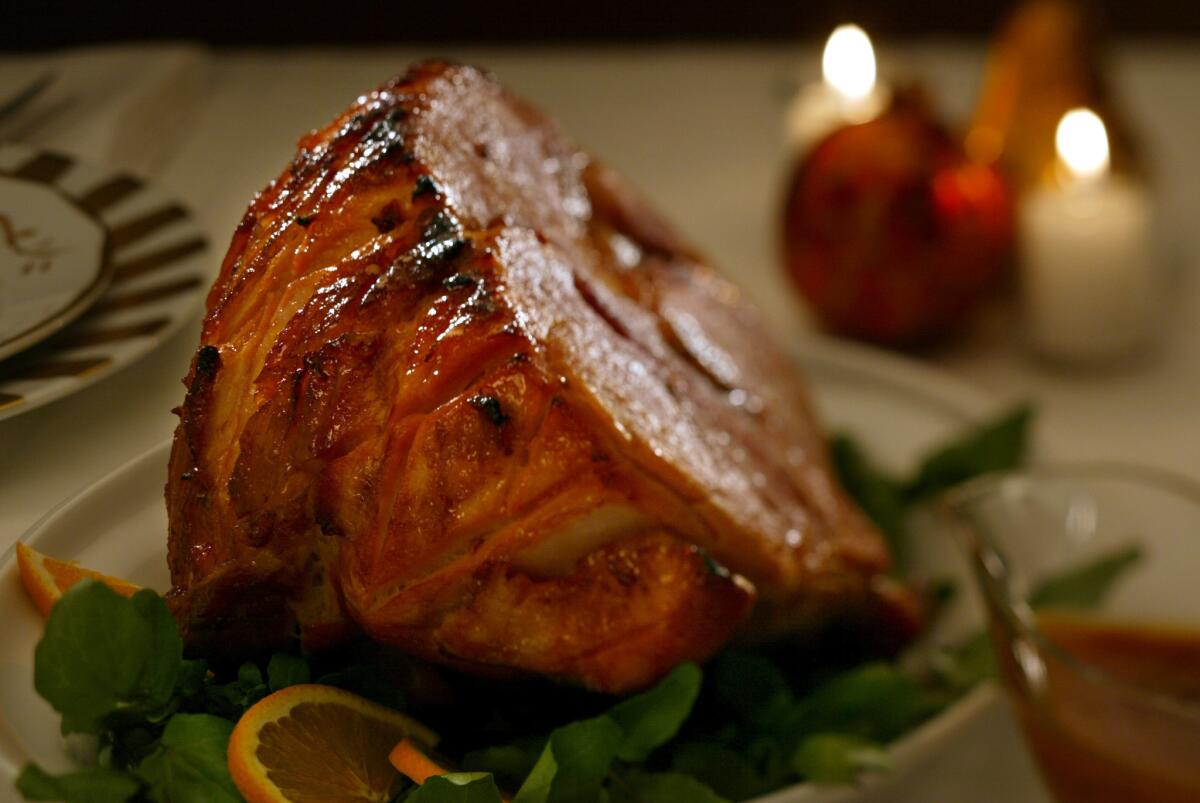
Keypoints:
pixel 699 129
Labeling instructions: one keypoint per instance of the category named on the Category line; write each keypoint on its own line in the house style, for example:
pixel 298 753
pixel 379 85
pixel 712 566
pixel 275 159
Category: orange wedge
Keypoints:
pixel 412 762
pixel 416 764
pixel 45 578
pixel 312 743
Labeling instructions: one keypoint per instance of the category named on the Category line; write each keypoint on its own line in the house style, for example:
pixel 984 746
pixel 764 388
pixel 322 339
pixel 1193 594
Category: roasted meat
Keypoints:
pixel 461 390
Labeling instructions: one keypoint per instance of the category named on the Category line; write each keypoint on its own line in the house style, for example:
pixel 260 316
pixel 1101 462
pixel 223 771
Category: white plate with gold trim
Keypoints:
pixel 96 269
pixel 897 408
pixel 54 257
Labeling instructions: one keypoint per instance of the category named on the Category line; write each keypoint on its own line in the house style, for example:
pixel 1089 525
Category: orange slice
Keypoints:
pixel 312 743
pixel 46 578
pixel 416 764
pixel 412 761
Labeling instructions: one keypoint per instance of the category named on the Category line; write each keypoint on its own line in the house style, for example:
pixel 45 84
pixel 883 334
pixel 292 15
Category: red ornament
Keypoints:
pixel 891 233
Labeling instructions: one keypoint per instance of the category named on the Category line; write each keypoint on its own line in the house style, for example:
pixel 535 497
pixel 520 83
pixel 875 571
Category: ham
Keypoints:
pixel 461 390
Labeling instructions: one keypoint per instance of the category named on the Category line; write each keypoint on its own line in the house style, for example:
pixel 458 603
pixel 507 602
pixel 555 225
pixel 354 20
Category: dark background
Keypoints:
pixel 34 24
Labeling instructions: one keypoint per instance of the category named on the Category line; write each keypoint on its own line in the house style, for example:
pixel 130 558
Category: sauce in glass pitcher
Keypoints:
pixel 1128 732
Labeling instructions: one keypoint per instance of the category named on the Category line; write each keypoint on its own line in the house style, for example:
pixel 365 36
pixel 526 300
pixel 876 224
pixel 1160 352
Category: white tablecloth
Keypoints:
pixel 697 127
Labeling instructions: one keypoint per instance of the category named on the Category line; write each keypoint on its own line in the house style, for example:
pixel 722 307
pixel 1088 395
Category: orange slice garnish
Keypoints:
pixel 414 763
pixel 46 578
pixel 312 743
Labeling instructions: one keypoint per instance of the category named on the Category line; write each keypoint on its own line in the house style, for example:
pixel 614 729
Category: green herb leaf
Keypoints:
pixel 654 717
pixel 90 785
pixel 995 446
pixel 190 764
pixel 509 762
pixel 662 787
pixel 164 651
pixel 286 670
pixel 230 700
pixel 875 701
pixel 751 686
pixel 250 678
pixel 574 762
pixel 1085 586
pixel 724 770
pixel 879 494
pixel 767 753
pixel 192 676
pixel 127 747
pixel 969 663
pixel 837 758
pixel 459 787
pixel 104 657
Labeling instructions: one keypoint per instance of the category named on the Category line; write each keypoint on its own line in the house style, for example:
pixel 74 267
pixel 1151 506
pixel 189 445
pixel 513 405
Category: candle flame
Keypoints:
pixel 849 62
pixel 1082 144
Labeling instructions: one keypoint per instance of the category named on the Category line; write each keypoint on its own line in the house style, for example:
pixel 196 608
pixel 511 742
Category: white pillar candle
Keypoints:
pixel 1088 274
pixel 848 94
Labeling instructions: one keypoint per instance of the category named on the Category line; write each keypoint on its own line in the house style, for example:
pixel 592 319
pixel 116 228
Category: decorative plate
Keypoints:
pixel 96 269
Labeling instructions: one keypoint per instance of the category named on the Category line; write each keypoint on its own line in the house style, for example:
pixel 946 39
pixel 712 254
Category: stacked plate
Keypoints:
pixel 96 269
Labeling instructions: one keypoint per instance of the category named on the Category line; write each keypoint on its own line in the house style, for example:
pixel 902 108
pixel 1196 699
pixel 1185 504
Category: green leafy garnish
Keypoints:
pixel 105 658
pixel 113 666
pixel 994 446
pixel 654 717
pixel 509 762
pixel 726 771
pixel 88 785
pixel 230 700
pixel 577 759
pixel 752 687
pixel 880 495
pixel 1085 586
pixel 285 670
pixel 190 763
pixel 837 758
pixel 970 662
pixel 460 787
pixel 997 445
pixel 876 701
pixel 573 763
pixel 661 787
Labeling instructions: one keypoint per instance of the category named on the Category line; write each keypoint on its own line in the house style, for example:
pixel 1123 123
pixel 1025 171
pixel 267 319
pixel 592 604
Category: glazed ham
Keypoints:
pixel 459 389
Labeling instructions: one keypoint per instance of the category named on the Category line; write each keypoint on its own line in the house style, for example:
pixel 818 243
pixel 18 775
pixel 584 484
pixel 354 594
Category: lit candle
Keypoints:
pixel 848 94
pixel 1088 274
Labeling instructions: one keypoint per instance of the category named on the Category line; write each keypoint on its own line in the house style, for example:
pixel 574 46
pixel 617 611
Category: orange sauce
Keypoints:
pixel 1099 741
